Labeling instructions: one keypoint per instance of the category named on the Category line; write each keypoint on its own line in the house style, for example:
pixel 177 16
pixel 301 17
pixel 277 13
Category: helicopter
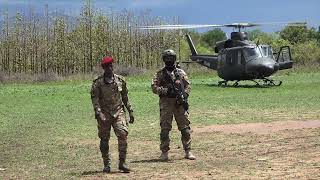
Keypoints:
pixel 238 58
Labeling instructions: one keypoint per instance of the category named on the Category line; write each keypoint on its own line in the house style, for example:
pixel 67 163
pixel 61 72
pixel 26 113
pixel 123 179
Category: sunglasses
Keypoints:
pixel 169 58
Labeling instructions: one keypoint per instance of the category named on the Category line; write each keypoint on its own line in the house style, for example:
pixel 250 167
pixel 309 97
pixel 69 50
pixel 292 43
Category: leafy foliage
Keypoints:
pixel 298 34
pixel 37 45
pixel 56 44
pixel 307 53
pixel 213 36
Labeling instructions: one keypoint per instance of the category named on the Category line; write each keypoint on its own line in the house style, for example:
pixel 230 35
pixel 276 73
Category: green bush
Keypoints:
pixel 306 53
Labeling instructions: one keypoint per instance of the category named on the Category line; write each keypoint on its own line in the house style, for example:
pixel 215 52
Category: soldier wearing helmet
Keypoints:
pixel 163 84
pixel 109 95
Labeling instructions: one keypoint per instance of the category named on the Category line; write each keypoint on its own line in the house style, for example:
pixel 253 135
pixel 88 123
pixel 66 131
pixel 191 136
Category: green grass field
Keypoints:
pixel 48 130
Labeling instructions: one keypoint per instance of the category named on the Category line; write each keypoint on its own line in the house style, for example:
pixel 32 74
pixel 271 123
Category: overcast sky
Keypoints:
pixel 192 11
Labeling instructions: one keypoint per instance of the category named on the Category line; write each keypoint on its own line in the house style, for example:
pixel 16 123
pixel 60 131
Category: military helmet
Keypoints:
pixel 168 53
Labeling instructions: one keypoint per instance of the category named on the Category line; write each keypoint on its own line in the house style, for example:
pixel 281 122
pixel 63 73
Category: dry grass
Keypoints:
pixel 284 155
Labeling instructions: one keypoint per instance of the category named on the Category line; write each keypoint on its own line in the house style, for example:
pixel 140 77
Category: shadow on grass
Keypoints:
pixel 148 161
pixel 240 86
pixel 91 173
pixel 155 161
pixel 86 173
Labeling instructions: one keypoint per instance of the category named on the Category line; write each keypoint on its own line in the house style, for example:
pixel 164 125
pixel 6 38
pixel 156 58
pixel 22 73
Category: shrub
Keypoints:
pixel 2 77
pixel 121 70
pixel 306 53
pixel 46 77
pixel 128 71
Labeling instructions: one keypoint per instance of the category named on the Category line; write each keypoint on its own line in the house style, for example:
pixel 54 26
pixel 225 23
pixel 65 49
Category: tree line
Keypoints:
pixel 60 44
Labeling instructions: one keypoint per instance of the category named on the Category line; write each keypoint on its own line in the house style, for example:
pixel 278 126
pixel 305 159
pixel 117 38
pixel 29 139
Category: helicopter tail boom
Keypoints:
pixel 206 60
pixel 209 61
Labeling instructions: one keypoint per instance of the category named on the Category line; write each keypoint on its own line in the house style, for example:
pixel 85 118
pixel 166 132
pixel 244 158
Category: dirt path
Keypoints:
pixel 259 128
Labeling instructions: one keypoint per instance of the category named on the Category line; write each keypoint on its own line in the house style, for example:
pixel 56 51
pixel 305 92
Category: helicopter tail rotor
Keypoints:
pixel 191 45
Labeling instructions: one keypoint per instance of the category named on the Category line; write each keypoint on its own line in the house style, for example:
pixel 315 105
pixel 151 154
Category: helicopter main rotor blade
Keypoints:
pixel 178 26
pixel 244 25
pixel 240 25
pixel 284 23
pixel 233 25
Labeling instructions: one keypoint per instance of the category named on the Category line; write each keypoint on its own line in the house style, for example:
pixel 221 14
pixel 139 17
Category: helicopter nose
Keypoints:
pixel 266 70
pixel 276 67
pixel 262 67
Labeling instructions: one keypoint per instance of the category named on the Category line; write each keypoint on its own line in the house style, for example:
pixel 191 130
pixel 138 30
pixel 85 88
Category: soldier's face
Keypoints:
pixel 108 69
pixel 169 60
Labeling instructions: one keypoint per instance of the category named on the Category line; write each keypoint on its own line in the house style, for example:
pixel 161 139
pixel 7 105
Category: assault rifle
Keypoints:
pixel 182 97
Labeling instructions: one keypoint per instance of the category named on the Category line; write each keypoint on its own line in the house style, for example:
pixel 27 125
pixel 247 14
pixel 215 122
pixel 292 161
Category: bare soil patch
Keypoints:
pixel 277 150
pixel 259 128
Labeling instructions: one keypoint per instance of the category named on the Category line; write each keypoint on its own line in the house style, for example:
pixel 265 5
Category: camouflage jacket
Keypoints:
pixel 160 83
pixel 110 97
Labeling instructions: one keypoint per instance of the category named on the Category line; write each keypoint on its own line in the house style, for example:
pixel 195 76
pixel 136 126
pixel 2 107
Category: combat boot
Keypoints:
pixel 106 168
pixel 189 155
pixel 123 167
pixel 164 156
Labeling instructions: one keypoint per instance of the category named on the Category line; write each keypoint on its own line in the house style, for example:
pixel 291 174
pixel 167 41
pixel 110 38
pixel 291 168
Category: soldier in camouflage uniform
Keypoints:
pixel 109 95
pixel 169 106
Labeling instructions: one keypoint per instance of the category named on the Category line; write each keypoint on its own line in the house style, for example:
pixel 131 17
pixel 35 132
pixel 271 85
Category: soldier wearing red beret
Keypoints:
pixel 109 95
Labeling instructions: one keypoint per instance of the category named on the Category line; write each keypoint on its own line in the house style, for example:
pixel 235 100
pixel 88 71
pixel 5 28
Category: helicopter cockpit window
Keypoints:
pixel 251 53
pixel 270 52
pixel 266 51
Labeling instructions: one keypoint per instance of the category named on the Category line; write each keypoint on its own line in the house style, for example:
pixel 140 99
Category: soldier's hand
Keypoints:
pixel 131 121
pixel 162 91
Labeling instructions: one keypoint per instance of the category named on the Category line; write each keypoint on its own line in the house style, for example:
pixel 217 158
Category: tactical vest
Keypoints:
pixel 110 98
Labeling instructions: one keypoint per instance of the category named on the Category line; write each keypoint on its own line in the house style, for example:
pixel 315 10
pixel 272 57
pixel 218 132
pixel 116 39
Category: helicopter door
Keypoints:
pixel 232 57
pixel 241 59
pixel 229 58
pixel 284 58
pixel 221 60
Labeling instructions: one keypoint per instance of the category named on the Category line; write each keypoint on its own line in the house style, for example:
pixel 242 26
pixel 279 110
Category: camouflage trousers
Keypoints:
pixel 169 109
pixel 120 128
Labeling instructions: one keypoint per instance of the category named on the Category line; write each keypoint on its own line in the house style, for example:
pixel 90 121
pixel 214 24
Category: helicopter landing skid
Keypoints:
pixel 271 82
pixel 222 82
pixel 225 83
pixel 265 82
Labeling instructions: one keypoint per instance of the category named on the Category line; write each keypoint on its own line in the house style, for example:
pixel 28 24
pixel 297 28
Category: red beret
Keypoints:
pixel 106 60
